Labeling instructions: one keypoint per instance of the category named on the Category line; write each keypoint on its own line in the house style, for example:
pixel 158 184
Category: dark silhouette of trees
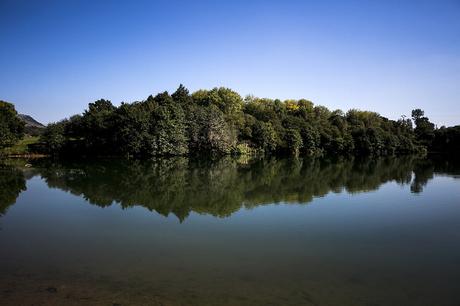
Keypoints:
pixel 446 139
pixel 11 127
pixel 424 129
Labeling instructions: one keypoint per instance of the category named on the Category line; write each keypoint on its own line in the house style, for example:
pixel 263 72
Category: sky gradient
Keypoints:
pixel 385 56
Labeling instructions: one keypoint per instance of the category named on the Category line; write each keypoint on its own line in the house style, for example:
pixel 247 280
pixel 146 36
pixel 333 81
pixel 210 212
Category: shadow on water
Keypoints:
pixel 12 183
pixel 179 186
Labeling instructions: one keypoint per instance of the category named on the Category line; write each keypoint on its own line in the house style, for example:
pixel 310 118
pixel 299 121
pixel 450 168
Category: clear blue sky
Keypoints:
pixel 386 56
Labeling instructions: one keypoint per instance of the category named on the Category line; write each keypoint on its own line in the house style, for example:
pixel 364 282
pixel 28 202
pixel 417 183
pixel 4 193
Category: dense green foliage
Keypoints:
pixel 11 127
pixel 220 121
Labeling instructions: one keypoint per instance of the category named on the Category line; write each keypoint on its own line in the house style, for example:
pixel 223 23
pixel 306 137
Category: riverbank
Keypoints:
pixel 21 149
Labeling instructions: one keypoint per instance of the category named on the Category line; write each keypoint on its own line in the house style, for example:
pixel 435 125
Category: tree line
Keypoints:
pixel 220 122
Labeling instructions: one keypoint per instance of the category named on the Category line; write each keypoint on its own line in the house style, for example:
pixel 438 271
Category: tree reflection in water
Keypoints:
pixel 220 188
pixel 12 183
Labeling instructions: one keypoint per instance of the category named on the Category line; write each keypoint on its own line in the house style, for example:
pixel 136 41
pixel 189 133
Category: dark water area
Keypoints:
pixel 230 232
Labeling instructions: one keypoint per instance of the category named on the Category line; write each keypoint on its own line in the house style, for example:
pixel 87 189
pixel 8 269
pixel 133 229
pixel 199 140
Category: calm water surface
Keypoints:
pixel 230 232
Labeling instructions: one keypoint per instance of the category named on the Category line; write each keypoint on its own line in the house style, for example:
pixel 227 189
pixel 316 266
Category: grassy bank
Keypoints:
pixel 21 148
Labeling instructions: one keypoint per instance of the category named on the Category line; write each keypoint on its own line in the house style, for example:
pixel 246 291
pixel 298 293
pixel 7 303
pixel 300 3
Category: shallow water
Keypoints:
pixel 230 232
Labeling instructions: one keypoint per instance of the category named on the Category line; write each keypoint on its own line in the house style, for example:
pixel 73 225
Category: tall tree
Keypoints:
pixel 168 129
pixel 424 129
pixel 182 96
pixel 11 127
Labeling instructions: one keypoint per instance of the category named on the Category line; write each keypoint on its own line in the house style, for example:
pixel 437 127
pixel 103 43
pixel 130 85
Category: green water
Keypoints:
pixel 230 232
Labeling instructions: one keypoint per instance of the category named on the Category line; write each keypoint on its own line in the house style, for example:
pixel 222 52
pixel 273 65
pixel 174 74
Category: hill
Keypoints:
pixel 32 126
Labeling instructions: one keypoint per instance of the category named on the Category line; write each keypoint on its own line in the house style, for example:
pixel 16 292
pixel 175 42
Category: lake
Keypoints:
pixel 266 231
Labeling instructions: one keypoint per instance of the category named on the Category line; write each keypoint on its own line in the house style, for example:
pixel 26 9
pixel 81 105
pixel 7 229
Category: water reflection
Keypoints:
pixel 12 183
pixel 382 247
pixel 179 186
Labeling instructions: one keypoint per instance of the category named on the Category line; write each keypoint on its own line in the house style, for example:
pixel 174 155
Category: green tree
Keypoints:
pixel 53 137
pixel 11 127
pixel 209 132
pixel 265 136
pixel 99 127
pixel 293 141
pixel 132 126
pixel 417 114
pixel 168 129
pixel 424 129
pixel 182 96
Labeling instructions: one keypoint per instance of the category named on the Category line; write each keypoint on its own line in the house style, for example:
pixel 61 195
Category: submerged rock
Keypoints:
pixel 51 289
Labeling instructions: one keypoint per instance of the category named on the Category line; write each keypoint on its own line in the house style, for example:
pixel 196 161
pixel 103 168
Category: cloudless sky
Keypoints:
pixel 385 56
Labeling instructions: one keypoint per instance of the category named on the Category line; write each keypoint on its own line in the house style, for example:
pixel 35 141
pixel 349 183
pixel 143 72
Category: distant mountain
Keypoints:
pixel 32 127
pixel 30 121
